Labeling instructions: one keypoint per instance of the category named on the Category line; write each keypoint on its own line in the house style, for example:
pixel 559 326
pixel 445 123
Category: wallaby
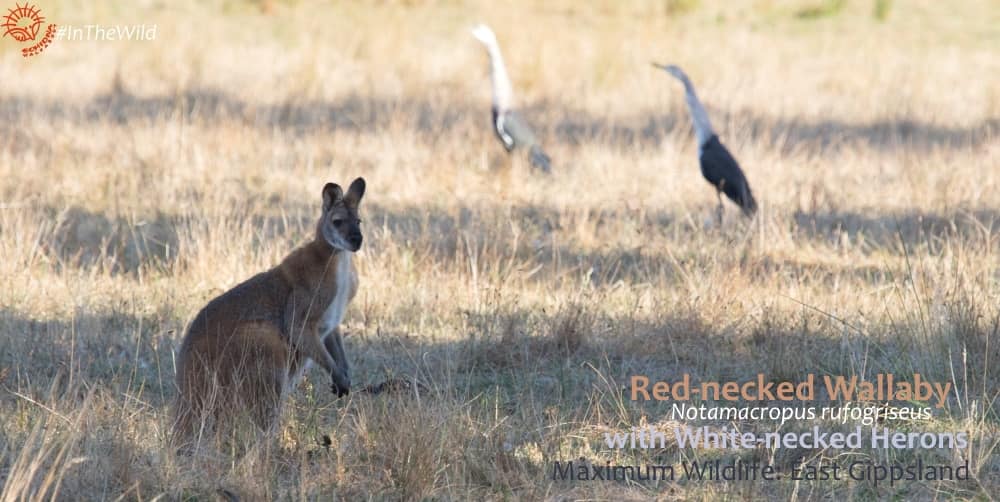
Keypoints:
pixel 246 350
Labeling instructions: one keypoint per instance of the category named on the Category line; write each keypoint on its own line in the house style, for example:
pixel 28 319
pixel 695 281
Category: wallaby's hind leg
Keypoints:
pixel 231 384
pixel 270 395
pixel 194 409
pixel 263 377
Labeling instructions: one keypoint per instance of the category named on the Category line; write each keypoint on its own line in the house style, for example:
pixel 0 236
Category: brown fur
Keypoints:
pixel 244 349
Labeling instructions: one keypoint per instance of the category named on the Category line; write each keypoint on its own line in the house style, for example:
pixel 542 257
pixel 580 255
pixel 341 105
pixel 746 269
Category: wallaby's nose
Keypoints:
pixel 355 240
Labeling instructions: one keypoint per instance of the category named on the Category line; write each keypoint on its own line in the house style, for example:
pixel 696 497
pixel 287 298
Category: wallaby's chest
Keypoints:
pixel 337 306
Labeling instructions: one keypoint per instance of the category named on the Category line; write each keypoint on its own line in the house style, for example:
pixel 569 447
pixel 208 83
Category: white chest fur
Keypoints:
pixel 334 313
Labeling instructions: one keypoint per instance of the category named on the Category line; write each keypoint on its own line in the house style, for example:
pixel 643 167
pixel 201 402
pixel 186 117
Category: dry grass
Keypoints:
pixel 141 179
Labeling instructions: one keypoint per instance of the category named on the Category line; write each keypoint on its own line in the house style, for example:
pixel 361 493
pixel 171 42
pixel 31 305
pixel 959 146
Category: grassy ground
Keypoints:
pixel 140 179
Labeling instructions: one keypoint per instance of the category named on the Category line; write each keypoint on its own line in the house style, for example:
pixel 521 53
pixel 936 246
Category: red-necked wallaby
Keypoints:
pixel 248 347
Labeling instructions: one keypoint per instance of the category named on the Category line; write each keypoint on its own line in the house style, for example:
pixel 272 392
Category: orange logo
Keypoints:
pixel 22 23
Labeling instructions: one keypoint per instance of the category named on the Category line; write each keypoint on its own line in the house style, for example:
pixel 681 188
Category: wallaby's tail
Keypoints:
pixel 540 160
pixel 227 495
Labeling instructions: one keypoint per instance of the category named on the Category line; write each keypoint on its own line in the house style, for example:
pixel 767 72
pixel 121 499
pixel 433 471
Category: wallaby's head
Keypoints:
pixel 340 225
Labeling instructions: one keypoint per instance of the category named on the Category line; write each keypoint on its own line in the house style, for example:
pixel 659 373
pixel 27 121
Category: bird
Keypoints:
pixel 508 125
pixel 717 165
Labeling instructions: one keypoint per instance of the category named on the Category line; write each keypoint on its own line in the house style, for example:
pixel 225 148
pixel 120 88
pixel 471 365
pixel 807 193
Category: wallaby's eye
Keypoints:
pixel 338 221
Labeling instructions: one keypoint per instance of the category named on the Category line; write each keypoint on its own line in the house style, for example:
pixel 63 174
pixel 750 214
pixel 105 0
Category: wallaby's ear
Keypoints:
pixel 355 192
pixel 332 194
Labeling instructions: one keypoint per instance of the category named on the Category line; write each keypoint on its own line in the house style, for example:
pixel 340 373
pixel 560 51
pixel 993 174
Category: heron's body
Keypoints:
pixel 721 170
pixel 513 132
pixel 510 128
pixel 717 165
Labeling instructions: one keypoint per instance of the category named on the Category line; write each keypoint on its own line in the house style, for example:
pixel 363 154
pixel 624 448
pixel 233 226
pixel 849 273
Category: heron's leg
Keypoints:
pixel 720 209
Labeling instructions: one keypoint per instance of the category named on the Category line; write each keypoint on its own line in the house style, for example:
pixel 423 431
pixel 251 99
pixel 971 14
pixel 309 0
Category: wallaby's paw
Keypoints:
pixel 339 390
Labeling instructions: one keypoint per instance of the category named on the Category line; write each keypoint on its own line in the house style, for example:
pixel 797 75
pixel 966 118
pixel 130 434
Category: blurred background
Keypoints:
pixel 138 179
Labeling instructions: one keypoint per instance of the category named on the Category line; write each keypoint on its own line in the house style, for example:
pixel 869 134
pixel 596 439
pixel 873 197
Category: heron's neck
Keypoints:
pixel 702 127
pixel 503 93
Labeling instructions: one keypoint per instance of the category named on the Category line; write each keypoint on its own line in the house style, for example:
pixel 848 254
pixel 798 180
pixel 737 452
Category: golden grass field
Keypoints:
pixel 140 179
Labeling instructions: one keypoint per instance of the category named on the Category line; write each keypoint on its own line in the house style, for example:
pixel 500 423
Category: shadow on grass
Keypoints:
pixel 556 375
pixel 123 351
pixel 574 350
pixel 512 378
pixel 535 241
pixel 912 227
pixel 436 118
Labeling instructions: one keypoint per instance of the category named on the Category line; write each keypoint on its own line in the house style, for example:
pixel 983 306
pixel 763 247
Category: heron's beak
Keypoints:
pixel 660 66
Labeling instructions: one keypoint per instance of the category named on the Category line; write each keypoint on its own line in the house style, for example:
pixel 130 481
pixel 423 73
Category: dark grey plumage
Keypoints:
pixel 513 132
pixel 721 170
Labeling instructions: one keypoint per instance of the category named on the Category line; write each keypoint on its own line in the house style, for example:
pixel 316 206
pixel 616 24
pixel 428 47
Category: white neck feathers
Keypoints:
pixel 503 93
pixel 699 117
pixel 702 127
